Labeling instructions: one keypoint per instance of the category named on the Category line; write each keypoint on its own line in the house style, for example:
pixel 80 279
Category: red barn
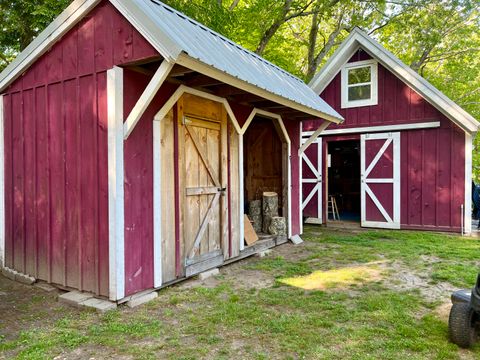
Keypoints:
pixel 125 126
pixel 403 156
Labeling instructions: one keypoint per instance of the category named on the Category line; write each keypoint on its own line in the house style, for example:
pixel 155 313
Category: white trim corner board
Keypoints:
pixel 468 184
pixel 157 206
pixel 116 205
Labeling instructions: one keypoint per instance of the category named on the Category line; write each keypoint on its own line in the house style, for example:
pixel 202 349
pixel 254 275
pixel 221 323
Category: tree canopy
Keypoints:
pixel 440 39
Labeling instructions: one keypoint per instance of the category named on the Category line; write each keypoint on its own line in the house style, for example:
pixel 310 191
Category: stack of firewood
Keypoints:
pixel 264 215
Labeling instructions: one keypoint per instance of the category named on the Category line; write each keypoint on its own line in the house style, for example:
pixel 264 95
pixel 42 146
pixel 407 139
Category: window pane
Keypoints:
pixel 362 92
pixel 360 75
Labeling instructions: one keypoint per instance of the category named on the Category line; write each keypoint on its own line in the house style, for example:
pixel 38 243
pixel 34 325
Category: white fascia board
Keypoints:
pixel 137 15
pixel 59 27
pixel 358 39
pixel 216 74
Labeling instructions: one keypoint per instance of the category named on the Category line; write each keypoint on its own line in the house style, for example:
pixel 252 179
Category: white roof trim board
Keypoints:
pixel 175 36
pixel 359 39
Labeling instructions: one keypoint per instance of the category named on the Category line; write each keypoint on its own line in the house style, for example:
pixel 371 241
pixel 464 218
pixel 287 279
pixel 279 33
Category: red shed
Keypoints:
pixel 125 125
pixel 403 156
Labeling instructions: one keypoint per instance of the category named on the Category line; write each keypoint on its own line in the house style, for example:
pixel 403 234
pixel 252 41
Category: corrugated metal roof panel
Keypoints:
pixel 211 48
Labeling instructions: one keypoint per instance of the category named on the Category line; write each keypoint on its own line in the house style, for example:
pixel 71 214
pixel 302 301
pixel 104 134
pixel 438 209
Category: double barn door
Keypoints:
pixel 380 181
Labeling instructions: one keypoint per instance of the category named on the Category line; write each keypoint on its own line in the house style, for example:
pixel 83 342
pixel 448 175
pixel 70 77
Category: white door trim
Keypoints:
pixel 390 223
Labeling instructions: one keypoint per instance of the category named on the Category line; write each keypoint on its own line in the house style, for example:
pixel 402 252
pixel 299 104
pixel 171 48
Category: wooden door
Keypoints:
pixel 203 148
pixel 380 180
pixel 312 182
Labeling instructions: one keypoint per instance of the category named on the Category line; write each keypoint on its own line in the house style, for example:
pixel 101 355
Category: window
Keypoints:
pixel 359 84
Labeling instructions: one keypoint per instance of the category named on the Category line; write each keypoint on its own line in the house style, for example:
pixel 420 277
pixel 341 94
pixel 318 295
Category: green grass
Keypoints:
pixel 358 320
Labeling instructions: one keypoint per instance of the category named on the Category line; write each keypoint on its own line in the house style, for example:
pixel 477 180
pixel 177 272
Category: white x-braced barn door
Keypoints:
pixel 312 182
pixel 380 180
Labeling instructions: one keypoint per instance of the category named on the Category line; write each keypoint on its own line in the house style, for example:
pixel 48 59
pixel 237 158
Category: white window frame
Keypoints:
pixel 373 64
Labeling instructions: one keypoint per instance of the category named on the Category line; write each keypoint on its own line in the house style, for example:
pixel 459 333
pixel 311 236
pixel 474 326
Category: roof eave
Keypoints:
pixel 196 65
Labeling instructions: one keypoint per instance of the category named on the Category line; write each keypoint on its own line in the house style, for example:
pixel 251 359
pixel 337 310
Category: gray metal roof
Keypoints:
pixel 173 34
pixel 211 48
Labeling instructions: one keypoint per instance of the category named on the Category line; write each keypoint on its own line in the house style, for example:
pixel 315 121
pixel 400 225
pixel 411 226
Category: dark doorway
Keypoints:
pixel 344 178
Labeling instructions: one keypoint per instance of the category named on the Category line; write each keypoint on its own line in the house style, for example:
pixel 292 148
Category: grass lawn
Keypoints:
pixel 341 294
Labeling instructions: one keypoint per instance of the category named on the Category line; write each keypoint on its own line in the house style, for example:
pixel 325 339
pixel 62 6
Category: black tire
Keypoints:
pixel 461 325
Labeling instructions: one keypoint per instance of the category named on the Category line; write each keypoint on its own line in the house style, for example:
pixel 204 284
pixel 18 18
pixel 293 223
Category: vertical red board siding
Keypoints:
pixel 293 130
pixel 18 175
pixel 56 167
pixel 138 157
pixel 57 182
pixel 432 160
pixel 102 200
pixel 42 191
pixel 72 178
pixel 7 118
pixel 30 225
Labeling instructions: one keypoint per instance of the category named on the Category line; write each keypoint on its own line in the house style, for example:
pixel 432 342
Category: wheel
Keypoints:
pixel 461 325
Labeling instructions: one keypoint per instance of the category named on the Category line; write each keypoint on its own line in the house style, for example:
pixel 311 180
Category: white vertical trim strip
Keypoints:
pixel 397 202
pixel 116 184
pixel 300 177
pixel 468 183
pixel 320 178
pixel 242 195
pixel 2 185
pixel 157 206
pixel 363 194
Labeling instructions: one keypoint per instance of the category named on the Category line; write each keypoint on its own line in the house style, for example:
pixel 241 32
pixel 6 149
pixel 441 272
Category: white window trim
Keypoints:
pixel 373 83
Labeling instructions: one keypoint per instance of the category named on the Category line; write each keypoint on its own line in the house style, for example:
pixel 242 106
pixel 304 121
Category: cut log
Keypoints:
pixel 255 207
pixel 269 209
pixel 278 226
pixel 255 214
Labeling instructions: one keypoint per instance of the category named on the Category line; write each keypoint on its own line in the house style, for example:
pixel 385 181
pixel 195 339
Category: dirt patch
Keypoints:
pixel 403 278
pixel 242 277
pixel 236 274
pixel 24 307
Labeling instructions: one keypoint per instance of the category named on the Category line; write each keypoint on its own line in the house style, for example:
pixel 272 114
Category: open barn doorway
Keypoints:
pixel 343 166
pixel 265 169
